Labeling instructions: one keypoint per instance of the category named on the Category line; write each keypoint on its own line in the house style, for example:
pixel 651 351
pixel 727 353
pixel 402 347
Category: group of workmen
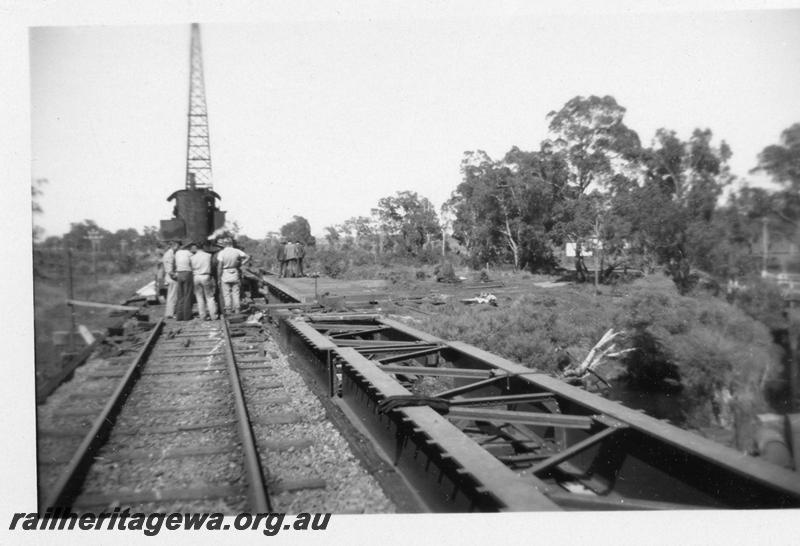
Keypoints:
pixel 290 258
pixel 194 270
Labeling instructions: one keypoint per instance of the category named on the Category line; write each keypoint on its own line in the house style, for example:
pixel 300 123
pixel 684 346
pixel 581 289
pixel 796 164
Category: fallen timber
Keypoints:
pixel 505 438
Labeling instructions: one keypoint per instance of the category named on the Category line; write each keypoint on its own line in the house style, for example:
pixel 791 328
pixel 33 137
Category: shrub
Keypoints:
pixel 331 263
pixel 762 301
pixel 444 272
pixel 126 263
pixel 719 356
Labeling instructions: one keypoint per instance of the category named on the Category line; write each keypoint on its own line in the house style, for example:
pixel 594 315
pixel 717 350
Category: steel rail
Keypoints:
pixel 68 485
pixel 257 490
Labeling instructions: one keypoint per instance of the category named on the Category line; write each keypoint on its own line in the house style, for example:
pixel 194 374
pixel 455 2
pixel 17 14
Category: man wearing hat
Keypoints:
pixel 229 260
pixel 183 270
pixel 282 257
pixel 204 291
pixel 168 261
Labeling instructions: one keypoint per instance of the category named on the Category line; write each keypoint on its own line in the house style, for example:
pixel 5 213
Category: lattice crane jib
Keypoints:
pixel 198 150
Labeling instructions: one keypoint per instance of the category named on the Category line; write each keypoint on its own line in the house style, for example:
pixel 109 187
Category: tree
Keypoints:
pixel 332 236
pixel 502 210
pixel 677 203
pixel 782 161
pixel 36 208
pixel 298 230
pixel 360 231
pixel 408 219
pixel 602 155
pixel 150 238
pixel 77 238
pixel 594 141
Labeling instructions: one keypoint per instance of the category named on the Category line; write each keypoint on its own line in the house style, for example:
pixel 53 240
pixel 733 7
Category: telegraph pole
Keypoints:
pixel 94 236
pixel 70 297
pixel 765 241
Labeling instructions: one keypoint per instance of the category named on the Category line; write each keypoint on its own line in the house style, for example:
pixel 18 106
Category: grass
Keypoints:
pixel 51 313
pixel 718 355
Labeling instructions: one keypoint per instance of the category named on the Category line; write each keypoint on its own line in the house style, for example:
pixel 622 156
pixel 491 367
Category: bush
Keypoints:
pixel 444 272
pixel 126 263
pixel 719 356
pixel 714 353
pixel 331 263
pixel 531 330
pixel 762 301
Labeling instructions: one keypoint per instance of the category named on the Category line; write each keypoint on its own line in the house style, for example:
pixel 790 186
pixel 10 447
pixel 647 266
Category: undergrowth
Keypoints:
pixel 714 352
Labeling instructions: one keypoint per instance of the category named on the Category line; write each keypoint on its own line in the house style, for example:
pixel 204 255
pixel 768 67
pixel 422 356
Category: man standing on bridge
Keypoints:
pixel 183 269
pixel 282 258
pixel 300 251
pixel 168 261
pixel 229 260
pixel 290 258
pixel 204 291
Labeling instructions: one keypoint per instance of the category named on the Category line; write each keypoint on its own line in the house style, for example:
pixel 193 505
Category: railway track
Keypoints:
pixel 470 431
pixel 177 431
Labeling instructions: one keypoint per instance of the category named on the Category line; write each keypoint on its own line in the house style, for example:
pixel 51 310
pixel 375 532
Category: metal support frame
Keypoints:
pixel 556 436
pixel 198 144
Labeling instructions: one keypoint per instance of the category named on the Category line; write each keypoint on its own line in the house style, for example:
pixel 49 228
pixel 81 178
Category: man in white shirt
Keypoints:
pixel 291 259
pixel 204 291
pixel 229 260
pixel 183 271
pixel 168 261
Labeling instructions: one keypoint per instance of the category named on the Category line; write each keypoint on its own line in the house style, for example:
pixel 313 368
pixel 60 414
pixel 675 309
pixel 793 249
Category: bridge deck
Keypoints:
pixel 308 289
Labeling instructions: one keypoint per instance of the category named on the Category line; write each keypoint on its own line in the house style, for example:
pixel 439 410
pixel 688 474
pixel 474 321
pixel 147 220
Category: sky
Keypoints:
pixel 323 117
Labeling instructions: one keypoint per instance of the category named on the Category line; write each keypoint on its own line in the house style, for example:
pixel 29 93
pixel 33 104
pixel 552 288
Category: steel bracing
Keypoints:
pixel 198 148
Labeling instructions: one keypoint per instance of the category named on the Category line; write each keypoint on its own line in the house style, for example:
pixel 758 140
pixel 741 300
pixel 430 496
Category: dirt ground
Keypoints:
pixel 51 314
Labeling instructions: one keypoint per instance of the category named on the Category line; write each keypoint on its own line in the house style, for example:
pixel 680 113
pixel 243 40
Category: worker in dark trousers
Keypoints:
pixel 291 259
pixel 301 253
pixel 183 270
pixel 281 258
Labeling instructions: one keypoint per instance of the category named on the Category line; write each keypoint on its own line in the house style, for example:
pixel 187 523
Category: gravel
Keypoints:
pixel 348 486
pixel 315 449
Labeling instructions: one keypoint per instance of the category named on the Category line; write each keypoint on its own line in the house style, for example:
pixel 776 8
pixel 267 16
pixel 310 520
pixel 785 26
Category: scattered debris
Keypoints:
pixel 255 318
pixel 148 291
pixel 603 350
pixel 483 297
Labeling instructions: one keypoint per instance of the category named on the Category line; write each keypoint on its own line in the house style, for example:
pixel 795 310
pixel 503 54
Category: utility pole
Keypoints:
pixel 70 297
pixel 198 146
pixel 94 236
pixel 765 241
